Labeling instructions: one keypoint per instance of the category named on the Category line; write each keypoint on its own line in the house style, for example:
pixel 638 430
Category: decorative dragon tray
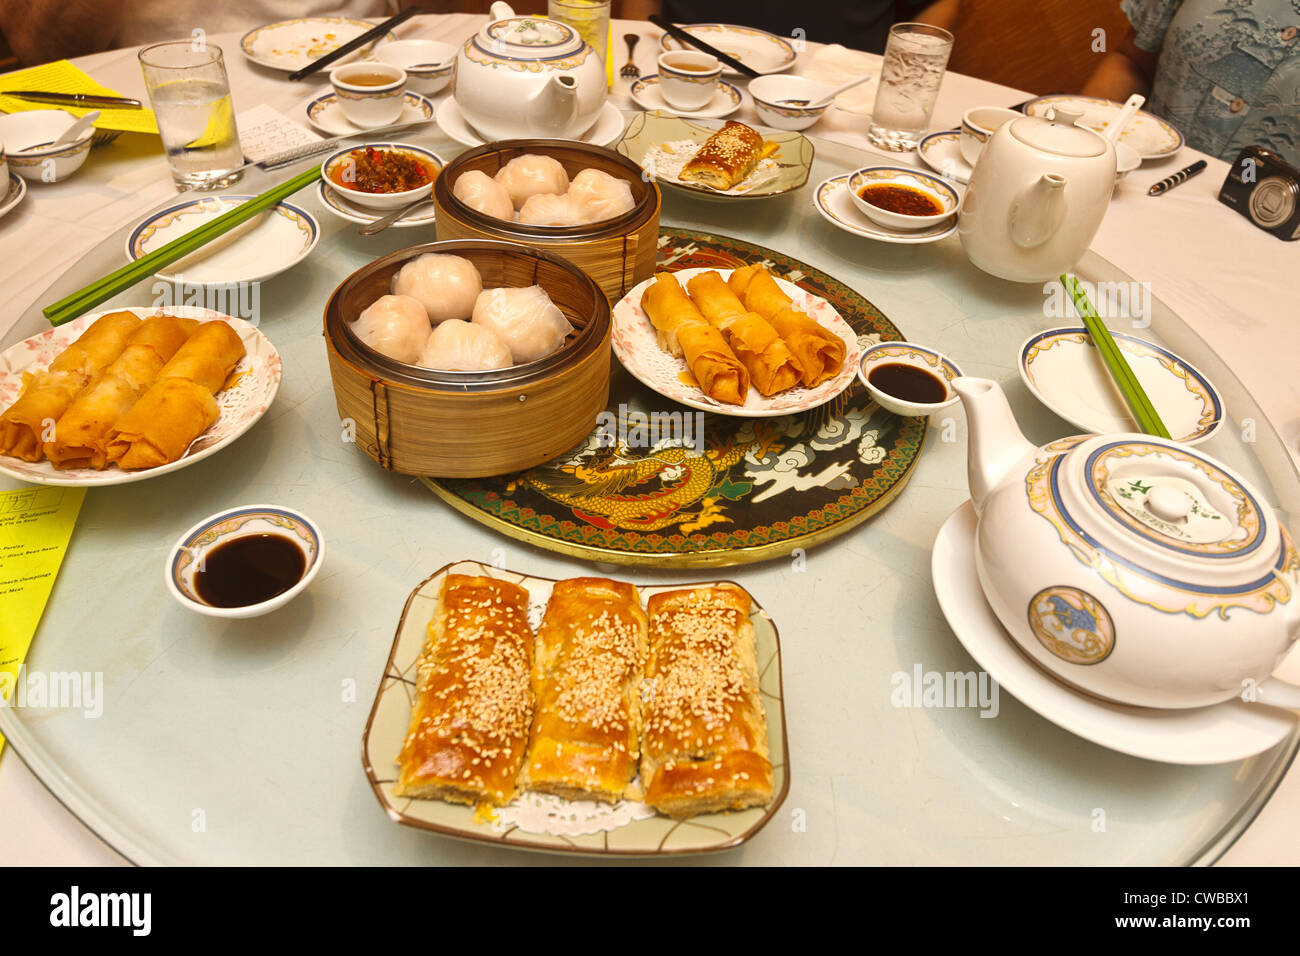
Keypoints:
pixel 659 484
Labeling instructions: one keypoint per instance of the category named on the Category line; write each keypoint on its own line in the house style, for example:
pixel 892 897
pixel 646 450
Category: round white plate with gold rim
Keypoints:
pixel 648 93
pixel 15 190
pixel 1151 136
pixel 248 393
pixel 290 45
pixel 942 153
pixel 324 113
pixel 759 50
pixel 835 203
pixel 275 241
pixel 331 199
pixel 1064 370
pixel 1222 733
pixel 637 346
pixel 607 129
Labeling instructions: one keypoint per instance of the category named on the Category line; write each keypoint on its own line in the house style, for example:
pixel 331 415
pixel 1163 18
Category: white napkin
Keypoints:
pixel 833 65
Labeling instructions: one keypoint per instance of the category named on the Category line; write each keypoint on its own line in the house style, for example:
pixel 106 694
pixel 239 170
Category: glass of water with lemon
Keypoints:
pixel 590 18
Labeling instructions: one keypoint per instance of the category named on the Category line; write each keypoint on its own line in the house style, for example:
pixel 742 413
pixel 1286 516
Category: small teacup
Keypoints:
pixel 978 125
pixel 688 80
pixel 370 94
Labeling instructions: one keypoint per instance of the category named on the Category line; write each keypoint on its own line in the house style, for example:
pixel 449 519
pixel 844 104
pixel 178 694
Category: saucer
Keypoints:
pixel 1065 372
pixel 607 129
pixel 942 153
pixel 324 113
pixel 649 96
pixel 1222 733
pixel 835 203
pixel 17 189
pixel 333 202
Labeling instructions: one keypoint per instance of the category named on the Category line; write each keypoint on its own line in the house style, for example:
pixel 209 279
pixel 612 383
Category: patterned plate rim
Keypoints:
pixel 246 41
pixel 791 56
pixel 390 676
pixel 1164 124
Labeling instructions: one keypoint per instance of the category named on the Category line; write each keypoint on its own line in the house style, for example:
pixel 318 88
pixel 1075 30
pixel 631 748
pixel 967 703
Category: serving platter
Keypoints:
pixel 636 346
pixel 536 821
pixel 249 392
pixel 745 494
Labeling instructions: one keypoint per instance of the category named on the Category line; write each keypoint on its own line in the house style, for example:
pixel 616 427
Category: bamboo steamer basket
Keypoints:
pixel 617 253
pixel 445 424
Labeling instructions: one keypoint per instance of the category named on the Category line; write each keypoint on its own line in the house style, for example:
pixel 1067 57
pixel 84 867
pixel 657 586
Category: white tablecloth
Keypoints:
pixel 1231 282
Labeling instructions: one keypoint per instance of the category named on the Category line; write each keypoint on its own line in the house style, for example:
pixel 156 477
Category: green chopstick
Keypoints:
pixel 83 300
pixel 1139 403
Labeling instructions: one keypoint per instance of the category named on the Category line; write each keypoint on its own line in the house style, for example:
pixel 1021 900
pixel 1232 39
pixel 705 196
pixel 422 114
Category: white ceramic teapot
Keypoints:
pixel 1133 567
pixel 1036 197
pixel 528 76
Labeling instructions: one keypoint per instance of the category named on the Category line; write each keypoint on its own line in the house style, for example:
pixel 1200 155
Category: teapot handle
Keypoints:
pixel 501 11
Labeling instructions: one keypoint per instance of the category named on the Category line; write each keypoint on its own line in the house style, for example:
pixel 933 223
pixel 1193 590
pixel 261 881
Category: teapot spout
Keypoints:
pixel 554 107
pixel 1038 211
pixel 995 444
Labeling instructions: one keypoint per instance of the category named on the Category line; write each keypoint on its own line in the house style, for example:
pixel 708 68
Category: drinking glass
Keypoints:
pixel 915 58
pixel 190 95
pixel 589 17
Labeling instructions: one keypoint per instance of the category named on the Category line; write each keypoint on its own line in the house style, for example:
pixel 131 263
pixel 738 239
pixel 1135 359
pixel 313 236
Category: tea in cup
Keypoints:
pixel 688 80
pixel 370 94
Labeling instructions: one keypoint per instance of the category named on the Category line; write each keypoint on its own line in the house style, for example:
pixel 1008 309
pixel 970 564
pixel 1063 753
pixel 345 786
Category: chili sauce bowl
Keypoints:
pixel 934 366
pixel 929 186
pixel 335 166
pixel 189 556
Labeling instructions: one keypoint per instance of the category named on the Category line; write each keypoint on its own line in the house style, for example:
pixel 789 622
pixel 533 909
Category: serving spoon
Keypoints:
pixel 379 225
pixel 71 134
pixel 829 97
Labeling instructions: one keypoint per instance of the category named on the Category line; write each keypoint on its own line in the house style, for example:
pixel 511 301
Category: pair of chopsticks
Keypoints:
pixel 1135 396
pixel 84 300
pixel 682 36
pixel 355 44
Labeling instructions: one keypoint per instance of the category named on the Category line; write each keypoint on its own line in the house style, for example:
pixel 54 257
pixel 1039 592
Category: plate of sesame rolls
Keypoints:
pixel 115 397
pixel 736 342
pixel 585 715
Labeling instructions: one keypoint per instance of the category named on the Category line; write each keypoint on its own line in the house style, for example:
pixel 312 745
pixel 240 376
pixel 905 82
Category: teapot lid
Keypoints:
pixel 526 38
pixel 1059 135
pixel 1166 511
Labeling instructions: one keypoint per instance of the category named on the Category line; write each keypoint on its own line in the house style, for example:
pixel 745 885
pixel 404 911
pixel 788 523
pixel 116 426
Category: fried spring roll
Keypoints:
pixel 817 351
pixel 683 331
pixel 771 365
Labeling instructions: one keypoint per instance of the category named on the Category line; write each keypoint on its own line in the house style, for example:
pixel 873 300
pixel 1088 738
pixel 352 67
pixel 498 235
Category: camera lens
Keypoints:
pixel 1273 201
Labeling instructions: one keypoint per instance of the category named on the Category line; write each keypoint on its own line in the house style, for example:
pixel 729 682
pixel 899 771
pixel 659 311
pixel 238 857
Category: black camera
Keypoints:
pixel 1266 190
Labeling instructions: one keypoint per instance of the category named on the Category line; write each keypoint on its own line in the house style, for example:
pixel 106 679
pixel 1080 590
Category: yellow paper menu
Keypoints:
pixel 35 526
pixel 62 77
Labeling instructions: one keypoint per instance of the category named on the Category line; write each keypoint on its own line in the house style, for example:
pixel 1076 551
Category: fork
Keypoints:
pixel 629 70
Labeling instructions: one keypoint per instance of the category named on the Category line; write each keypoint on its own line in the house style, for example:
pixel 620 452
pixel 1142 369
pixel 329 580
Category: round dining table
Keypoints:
pixel 1229 281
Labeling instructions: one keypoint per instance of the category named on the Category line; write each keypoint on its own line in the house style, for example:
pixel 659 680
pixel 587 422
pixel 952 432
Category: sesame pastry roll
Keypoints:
pixel 587 671
pixel 771 365
pixel 473 700
pixel 726 157
pixel 817 351
pixel 704 745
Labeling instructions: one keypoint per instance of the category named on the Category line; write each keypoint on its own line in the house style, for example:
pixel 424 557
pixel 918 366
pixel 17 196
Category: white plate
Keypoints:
pixel 280 241
pixel 607 129
pixel 1222 733
pixel 292 44
pixel 324 113
pixel 759 50
pixel 14 194
pixel 637 347
pixel 649 96
pixel 339 206
pixel 834 202
pixel 941 152
pixel 1065 372
pixel 1151 136
pixel 251 389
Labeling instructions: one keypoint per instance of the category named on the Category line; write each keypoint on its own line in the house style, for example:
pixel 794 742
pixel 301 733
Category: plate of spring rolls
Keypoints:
pixel 586 715
pixel 736 342
pixel 116 397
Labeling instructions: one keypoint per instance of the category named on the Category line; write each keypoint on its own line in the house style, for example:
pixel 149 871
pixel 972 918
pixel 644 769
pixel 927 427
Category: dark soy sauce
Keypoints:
pixel 908 383
pixel 249 570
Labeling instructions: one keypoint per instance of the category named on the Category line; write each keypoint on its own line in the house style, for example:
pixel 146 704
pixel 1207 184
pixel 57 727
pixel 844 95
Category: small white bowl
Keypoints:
pixel 917 356
pixel 768 92
pixel 380 200
pixel 18 131
pixel 932 186
pixel 428 63
pixel 188 553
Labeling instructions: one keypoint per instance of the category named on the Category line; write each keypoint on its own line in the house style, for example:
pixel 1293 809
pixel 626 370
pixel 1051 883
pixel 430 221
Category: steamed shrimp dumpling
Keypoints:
pixel 446 285
pixel 526 176
pixel 483 194
pixel 597 195
pixel 395 325
pixel 526 319
pixel 460 346
pixel 545 209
